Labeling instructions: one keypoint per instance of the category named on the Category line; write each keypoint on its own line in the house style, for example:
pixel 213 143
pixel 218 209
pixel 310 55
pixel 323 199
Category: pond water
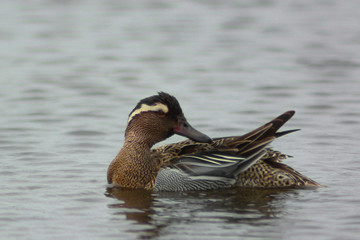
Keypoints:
pixel 71 71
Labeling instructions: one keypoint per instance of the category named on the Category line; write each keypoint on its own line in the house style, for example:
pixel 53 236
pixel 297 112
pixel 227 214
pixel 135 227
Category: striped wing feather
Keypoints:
pixel 221 164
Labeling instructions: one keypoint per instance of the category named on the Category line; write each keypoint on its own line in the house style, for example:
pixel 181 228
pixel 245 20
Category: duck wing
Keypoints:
pixel 220 163
pixel 207 170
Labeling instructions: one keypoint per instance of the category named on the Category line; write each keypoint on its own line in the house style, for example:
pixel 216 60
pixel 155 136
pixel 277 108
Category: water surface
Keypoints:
pixel 71 71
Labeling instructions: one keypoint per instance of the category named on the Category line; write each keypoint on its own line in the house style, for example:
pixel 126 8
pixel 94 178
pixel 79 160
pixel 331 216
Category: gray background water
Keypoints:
pixel 71 71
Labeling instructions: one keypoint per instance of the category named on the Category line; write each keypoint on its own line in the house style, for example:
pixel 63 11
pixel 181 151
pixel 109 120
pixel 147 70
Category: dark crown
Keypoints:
pixel 170 101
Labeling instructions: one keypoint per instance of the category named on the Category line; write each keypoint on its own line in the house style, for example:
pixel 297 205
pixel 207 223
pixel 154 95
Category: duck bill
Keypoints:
pixel 183 128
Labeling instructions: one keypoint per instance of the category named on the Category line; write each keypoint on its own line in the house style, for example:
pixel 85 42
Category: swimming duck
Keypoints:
pixel 199 163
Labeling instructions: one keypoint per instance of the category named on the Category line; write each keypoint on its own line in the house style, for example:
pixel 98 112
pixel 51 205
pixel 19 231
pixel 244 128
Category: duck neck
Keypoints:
pixel 134 139
pixel 133 167
pixel 145 132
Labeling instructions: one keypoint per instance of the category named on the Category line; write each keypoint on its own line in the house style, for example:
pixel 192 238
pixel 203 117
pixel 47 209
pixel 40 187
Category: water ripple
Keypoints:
pixel 73 70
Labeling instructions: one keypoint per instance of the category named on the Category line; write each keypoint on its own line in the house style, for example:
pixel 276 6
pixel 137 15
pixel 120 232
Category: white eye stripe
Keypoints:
pixel 147 108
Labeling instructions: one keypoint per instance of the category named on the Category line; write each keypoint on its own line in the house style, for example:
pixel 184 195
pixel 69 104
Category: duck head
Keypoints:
pixel 159 117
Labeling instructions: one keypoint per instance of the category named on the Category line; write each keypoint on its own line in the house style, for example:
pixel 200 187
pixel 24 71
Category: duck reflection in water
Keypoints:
pixel 137 202
pixel 236 205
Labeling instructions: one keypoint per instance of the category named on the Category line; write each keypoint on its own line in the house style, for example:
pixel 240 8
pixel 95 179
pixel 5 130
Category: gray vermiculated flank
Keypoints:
pixel 174 180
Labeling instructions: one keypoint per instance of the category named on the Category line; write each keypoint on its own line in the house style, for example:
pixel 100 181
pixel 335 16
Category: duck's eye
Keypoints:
pixel 161 114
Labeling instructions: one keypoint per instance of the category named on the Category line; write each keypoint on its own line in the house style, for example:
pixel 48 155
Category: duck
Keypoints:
pixel 198 163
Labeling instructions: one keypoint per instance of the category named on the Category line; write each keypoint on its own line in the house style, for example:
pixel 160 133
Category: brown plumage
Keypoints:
pixel 160 116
